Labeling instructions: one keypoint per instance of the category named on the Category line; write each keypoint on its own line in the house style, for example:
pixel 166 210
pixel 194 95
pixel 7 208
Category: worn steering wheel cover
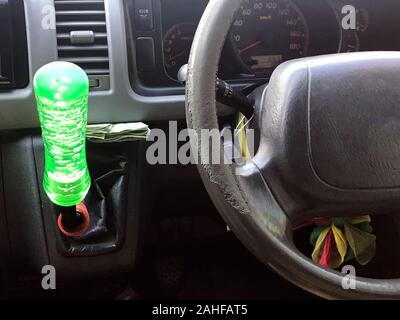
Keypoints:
pixel 250 226
pixel 201 109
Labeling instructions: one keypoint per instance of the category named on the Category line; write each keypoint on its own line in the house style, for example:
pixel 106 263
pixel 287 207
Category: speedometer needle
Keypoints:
pixel 255 44
pixel 176 56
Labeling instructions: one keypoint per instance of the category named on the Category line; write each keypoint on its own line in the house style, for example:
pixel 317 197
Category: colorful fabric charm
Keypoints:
pixel 341 239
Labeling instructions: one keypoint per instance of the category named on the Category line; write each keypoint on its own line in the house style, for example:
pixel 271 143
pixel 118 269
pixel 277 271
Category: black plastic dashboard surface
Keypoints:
pixel 13 47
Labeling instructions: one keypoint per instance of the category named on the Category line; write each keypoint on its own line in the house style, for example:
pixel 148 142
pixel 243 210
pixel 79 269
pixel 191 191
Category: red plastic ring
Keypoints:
pixel 81 208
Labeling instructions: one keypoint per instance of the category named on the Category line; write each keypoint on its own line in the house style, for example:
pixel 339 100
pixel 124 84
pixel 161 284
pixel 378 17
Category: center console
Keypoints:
pixel 117 201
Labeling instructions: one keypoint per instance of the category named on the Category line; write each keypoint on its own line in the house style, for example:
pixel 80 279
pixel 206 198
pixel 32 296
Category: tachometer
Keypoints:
pixel 267 33
pixel 177 44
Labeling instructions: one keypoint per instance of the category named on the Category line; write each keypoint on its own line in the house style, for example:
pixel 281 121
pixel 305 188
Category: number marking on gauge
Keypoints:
pixel 176 46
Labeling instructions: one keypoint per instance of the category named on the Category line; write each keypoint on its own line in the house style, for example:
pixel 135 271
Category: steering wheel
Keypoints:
pixel 329 129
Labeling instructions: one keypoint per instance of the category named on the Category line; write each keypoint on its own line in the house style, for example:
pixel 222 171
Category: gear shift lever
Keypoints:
pixel 61 91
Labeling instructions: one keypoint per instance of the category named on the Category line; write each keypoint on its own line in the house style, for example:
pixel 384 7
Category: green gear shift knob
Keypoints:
pixel 61 91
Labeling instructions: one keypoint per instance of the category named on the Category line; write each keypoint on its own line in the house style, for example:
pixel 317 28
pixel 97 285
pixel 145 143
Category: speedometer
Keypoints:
pixel 266 33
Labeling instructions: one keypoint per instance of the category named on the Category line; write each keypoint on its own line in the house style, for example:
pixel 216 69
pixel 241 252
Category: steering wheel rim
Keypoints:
pixel 243 197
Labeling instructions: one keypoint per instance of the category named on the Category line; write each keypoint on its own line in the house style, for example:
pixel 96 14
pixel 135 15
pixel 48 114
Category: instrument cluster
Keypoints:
pixel 266 33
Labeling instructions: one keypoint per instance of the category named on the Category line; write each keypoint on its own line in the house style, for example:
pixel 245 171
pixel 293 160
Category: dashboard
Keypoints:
pixel 266 33
pixel 140 44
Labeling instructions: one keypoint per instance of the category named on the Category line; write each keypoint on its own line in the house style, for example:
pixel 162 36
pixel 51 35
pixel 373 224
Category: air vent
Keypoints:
pixel 82 38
